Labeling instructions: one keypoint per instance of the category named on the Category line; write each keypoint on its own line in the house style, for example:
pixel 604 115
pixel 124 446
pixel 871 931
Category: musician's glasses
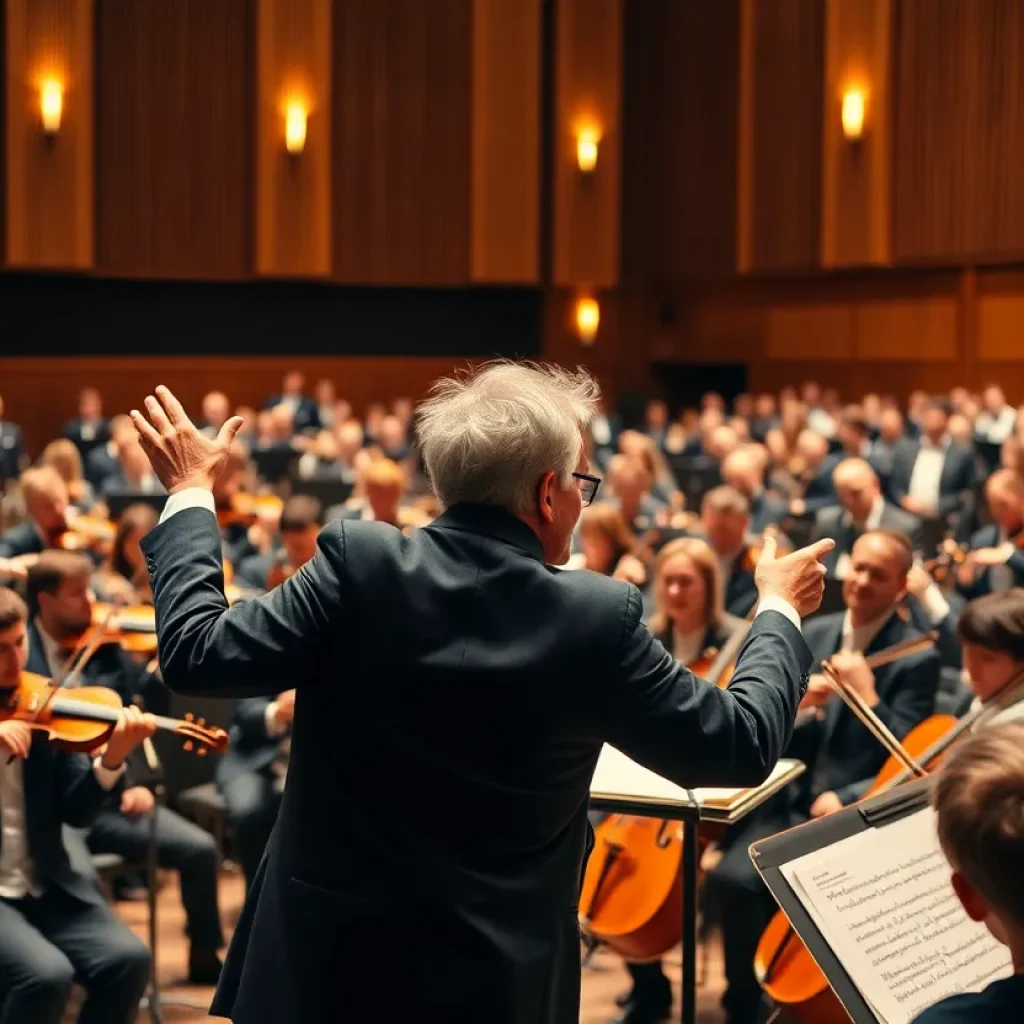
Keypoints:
pixel 588 486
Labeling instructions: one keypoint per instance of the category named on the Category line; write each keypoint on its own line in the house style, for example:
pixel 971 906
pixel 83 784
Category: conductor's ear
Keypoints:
pixel 970 899
pixel 546 496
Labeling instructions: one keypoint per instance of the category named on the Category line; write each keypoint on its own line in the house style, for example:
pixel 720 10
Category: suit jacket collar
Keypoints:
pixel 36 655
pixel 490 521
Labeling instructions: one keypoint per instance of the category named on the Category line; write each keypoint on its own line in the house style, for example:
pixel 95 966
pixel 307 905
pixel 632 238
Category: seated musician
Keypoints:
pixel 861 508
pixel 838 750
pixel 46 503
pixel 123 578
pixel 744 470
pixel 994 560
pixel 90 429
pixel 301 519
pixel 725 521
pixel 134 474
pixel 242 539
pixel 818 490
pixel 691 622
pixel 216 412
pixel 385 484
pixel 61 604
pixel 629 486
pixel 977 800
pixel 101 462
pixel 12 452
pixel 64 457
pixel 607 546
pixel 55 927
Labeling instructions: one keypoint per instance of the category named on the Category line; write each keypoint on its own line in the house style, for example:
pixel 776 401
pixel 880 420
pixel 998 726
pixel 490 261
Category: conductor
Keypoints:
pixel 453 692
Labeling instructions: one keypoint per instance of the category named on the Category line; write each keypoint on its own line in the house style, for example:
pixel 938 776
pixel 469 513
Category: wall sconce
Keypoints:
pixel 586 149
pixel 295 127
pixel 853 114
pixel 51 105
pixel 588 319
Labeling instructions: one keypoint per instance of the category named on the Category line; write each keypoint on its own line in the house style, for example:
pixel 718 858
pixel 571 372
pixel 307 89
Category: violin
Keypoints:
pixel 83 718
pixel 132 626
pixel 86 533
pixel 245 508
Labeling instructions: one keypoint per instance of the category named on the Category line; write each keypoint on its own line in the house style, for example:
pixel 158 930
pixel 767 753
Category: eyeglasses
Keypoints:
pixel 588 486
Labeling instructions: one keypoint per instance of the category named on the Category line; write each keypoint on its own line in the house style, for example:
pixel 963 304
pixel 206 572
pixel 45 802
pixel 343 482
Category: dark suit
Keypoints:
pixel 456 668
pixel 11 450
pixel 766 509
pixel 988 537
pixel 740 588
pixel 68 932
pixel 100 464
pixel 837 524
pixel 23 539
pixel 87 437
pixel 820 491
pixel 306 416
pixel 956 483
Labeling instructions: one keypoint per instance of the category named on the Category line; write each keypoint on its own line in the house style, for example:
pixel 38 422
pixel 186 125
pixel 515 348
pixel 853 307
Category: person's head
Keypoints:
pixel 810 392
pixel 857 488
pixel 122 429
pixel 721 441
pixel 385 484
pixel 792 418
pixel 871 404
pixel 765 406
pixel 978 799
pixel 403 409
pixel 216 409
pixel 961 428
pixel 294 384
pixel 325 446
pixel 342 411
pixel 90 404
pixel 993 399
pixel 688 586
pixel 991 633
pixel 325 393
pixel 642 449
pixel 134 460
pixel 812 447
pixel 777 446
pixel 63 456
pixel 725 519
pixel 712 400
pixel 656 415
pixel 916 402
pixel 1004 493
pixel 126 557
pixel 890 425
pixel 877 577
pixel 511 435
pixel 604 537
pixel 46 498
pixel 935 414
pixel 13 638
pixel 301 519
pixel 740 428
pixel 628 480
pixel 350 440
pixel 743 405
pixel 743 469
pixel 853 429
pixel 711 419
pixel 59 592
pixel 281 425
pixel 391 434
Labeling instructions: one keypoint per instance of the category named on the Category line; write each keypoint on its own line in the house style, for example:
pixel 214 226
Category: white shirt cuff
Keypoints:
pixel 191 497
pixel 771 603
pixel 106 777
pixel 274 727
pixel 935 605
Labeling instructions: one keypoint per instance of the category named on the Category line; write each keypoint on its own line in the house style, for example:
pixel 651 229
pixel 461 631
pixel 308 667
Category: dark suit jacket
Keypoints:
pixel 11 450
pixel 22 539
pixel 956 484
pixel 254 570
pixel 307 415
pixel 250 749
pixel 766 509
pixel 836 523
pixel 820 492
pixel 99 466
pixel 988 537
pixel 100 435
pixel 452 836
pixel 740 590
pixel 840 753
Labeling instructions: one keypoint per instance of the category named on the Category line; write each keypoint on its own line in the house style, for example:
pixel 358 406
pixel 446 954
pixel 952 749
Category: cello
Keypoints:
pixel 631 898
pixel 787 972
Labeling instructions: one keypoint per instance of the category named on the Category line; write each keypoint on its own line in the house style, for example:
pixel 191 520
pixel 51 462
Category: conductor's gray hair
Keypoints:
pixel 488 436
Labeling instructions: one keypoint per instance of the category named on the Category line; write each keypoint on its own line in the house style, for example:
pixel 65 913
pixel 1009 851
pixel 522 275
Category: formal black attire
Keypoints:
pixel 819 490
pixel 838 524
pixel 11 450
pixel 87 436
pixel 766 509
pixel 306 414
pixel 986 580
pixel 22 539
pixel 100 464
pixel 457 691
pixel 956 483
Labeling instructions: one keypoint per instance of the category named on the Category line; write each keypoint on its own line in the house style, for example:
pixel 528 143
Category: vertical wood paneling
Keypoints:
pixel 175 94
pixel 855 226
pixel 293 192
pixel 745 139
pixel 788 69
pixel 588 88
pixel 49 181
pixel 959 129
pixel 401 137
pixel 506 97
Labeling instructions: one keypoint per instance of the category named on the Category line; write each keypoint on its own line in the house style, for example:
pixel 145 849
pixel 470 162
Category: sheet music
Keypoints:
pixel 884 902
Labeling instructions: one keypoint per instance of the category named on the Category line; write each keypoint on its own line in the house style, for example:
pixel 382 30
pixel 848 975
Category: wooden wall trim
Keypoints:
pixel 293 192
pixel 50 205
pixel 745 141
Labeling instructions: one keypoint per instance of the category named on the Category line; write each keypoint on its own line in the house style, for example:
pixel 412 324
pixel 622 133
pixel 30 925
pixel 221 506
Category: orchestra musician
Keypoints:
pixel 64 457
pixel 607 546
pixel 453 666
pixel 744 469
pixel 385 482
pixel 301 520
pixel 12 450
pixel 725 522
pixel 90 429
pixel 60 602
pixel 838 750
pixel 46 504
pixel 122 578
pixel 102 463
pixel 995 559
pixel 55 927
pixel 814 479
pixel 691 622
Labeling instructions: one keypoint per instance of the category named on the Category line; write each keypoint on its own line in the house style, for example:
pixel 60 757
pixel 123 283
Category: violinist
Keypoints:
pixel 744 470
pixel 101 462
pixel 995 560
pixel 123 578
pixel 301 520
pixel 55 927
pixel 133 475
pixel 64 457
pixel 61 604
pixel 46 504
pixel 629 484
pixel 815 477
pixel 725 522
pixel 607 546
pixel 690 621
pixel 838 750
pixel 385 482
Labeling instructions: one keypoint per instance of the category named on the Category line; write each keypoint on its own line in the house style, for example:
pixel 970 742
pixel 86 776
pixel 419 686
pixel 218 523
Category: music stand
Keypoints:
pixel 622 786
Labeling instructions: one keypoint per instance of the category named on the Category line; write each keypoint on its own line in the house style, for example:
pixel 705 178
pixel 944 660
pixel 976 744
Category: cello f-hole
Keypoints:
pixel 664 839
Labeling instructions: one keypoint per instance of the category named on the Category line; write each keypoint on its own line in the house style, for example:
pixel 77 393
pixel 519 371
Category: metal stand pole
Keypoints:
pixel 688 1003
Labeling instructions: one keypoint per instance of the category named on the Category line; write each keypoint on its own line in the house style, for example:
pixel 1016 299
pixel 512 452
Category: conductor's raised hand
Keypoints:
pixel 180 456
pixel 798 578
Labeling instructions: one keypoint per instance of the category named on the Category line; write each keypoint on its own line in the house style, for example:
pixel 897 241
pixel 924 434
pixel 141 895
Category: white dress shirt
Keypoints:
pixel 996 429
pixel 1000 577
pixel 859 638
pixel 200 497
pixel 926 475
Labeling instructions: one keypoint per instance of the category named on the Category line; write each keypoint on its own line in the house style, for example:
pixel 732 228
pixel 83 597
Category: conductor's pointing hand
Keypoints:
pixel 181 457
pixel 798 578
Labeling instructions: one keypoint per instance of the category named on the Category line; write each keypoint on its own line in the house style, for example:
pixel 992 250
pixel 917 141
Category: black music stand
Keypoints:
pixel 624 787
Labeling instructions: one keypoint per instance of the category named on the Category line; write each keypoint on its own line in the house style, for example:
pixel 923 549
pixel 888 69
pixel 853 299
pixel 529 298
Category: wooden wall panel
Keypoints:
pixel 401 138
pixel 895 330
pixel 293 191
pixel 588 90
pixel 506 99
pixel 49 180
pixel 175 94
pixel 40 393
pixel 781 133
pixel 810 331
pixel 959 130
pixel 855 226
pixel 680 94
